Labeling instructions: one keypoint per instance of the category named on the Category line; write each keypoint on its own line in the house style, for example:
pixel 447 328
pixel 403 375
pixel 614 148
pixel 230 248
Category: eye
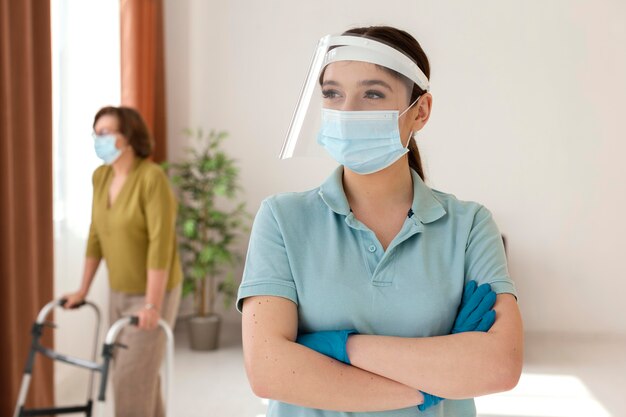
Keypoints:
pixel 374 94
pixel 330 94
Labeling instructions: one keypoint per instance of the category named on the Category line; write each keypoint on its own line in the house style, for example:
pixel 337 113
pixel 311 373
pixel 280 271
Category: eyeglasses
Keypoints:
pixel 103 133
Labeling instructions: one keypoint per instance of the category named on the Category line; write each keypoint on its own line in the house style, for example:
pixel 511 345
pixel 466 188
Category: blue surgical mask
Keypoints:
pixel 364 141
pixel 105 148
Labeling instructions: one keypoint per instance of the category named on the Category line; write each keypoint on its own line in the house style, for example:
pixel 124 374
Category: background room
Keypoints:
pixel 526 120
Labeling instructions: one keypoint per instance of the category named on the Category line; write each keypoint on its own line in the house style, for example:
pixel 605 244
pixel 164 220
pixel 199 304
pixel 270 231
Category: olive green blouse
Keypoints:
pixel 138 232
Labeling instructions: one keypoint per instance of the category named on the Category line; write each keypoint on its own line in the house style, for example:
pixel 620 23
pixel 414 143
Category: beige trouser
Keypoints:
pixel 136 382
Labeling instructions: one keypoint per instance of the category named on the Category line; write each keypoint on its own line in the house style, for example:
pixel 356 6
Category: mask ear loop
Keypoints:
pixel 411 134
pixel 410 105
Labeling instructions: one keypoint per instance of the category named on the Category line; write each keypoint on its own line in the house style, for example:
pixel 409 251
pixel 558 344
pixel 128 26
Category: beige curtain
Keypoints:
pixel 142 59
pixel 26 258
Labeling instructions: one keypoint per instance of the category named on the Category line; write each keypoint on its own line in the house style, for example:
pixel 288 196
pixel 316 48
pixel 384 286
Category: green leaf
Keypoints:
pixel 207 254
pixel 189 228
pixel 207 165
pixel 220 189
pixel 176 179
pixel 198 272
pixel 223 256
pixel 217 216
pixel 189 286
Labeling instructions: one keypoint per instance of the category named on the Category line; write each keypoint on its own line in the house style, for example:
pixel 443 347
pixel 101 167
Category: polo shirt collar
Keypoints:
pixel 331 191
pixel 426 208
pixel 425 205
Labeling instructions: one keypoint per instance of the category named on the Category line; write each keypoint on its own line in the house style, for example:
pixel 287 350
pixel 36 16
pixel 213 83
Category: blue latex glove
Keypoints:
pixel 429 401
pixel 475 315
pixel 329 343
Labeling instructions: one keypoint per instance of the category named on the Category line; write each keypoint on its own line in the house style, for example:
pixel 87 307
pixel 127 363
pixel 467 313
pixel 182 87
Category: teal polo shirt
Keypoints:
pixel 309 248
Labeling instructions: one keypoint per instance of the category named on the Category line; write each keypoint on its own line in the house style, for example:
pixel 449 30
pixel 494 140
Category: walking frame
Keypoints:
pixel 108 350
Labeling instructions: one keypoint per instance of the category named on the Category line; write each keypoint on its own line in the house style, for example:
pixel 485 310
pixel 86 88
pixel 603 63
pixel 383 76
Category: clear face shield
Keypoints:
pixel 350 92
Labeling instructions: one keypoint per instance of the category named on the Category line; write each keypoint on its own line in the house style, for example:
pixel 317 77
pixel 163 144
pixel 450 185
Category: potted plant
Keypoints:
pixel 209 222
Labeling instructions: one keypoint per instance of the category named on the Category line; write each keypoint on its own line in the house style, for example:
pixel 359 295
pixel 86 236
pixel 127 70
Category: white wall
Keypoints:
pixel 528 103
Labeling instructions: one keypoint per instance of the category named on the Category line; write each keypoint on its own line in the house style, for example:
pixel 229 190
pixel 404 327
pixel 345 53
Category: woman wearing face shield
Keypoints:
pixel 374 294
pixel 133 230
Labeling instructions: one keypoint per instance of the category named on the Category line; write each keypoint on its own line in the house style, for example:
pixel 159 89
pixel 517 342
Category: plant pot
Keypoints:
pixel 204 332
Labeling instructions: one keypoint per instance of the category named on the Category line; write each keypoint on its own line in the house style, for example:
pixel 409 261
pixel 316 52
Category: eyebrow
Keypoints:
pixel 366 83
pixel 369 83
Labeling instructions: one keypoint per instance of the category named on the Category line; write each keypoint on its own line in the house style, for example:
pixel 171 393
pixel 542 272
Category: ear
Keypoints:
pixel 421 113
pixel 120 141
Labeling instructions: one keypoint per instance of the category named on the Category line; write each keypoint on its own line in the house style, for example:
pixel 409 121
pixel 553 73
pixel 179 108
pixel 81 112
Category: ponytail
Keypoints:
pixel 415 161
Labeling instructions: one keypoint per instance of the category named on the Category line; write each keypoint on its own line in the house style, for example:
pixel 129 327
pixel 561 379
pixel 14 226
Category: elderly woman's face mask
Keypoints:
pixel 105 139
pixel 105 148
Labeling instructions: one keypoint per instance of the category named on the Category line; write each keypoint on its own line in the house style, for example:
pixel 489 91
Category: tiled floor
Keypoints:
pixel 563 377
pixel 212 384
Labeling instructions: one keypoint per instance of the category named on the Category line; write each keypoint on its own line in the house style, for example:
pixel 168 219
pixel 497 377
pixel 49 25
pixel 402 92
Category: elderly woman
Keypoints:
pixel 133 230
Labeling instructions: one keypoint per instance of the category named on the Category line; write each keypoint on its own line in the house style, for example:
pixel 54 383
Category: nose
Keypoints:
pixel 351 103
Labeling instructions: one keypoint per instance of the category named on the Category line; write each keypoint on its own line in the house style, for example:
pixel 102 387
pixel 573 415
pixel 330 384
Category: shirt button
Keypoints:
pixel 372 248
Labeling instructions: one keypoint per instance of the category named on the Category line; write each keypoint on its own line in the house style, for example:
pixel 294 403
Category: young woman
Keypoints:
pixel 133 229
pixel 353 293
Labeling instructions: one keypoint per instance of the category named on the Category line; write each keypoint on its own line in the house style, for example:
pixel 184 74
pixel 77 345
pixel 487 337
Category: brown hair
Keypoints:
pixel 406 44
pixel 132 126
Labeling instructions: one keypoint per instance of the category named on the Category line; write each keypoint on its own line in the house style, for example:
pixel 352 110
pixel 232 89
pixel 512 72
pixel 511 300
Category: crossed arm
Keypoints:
pixel 387 371
pixel 457 366
pixel 280 369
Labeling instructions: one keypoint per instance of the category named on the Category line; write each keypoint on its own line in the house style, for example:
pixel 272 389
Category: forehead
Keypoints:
pixel 107 121
pixel 349 72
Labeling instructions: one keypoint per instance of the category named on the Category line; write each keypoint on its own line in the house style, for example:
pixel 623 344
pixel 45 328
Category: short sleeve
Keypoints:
pixel 94 249
pixel 160 210
pixel 267 270
pixel 93 244
pixel 485 258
